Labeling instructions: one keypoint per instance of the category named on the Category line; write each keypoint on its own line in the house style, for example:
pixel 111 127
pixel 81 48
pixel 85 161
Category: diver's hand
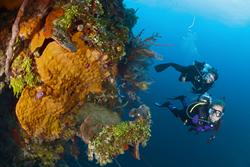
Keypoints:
pixel 211 138
pixel 157 104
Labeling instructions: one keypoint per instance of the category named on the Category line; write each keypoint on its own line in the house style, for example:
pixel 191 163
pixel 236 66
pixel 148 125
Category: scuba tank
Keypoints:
pixel 190 111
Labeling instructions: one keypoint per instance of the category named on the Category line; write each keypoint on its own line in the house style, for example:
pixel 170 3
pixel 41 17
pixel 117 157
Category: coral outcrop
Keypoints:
pixel 67 79
pixel 114 140
pixel 93 118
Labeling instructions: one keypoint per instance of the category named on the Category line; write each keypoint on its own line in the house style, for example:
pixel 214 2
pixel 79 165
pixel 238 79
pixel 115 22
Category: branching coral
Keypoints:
pixel 130 18
pixel 133 68
pixel 112 140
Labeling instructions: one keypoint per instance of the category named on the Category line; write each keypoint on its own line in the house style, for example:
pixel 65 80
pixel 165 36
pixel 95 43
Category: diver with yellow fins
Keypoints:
pixel 202 115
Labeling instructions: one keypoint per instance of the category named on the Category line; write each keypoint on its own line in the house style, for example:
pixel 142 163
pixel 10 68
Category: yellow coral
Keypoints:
pixel 143 85
pixel 68 77
pixel 28 28
pixel 53 15
pixel 37 41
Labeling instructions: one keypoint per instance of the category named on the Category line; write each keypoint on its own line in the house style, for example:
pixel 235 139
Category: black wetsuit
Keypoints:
pixel 194 119
pixel 192 73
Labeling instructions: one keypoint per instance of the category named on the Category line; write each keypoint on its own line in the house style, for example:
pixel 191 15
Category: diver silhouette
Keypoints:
pixel 200 74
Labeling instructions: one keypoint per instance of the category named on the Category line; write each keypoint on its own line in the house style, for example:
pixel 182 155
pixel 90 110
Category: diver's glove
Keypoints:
pixel 205 97
pixel 211 138
pixel 161 67
pixel 157 104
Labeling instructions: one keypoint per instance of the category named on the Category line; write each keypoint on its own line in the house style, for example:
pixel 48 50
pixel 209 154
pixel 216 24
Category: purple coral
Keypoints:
pixel 87 66
pixel 39 94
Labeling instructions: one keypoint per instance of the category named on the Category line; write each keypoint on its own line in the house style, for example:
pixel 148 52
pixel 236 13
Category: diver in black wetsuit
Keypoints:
pixel 202 115
pixel 201 75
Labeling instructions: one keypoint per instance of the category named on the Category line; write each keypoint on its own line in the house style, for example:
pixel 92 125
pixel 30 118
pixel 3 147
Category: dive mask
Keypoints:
pixel 218 113
pixel 209 78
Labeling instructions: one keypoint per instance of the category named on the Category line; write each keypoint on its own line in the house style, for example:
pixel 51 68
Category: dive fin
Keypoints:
pixel 166 104
pixel 161 67
pixel 181 98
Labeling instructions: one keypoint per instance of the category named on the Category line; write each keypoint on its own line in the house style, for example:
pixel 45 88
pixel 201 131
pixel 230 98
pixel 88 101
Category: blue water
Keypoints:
pixel 226 47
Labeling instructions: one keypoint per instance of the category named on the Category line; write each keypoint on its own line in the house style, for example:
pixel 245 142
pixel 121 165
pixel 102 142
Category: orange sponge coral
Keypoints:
pixel 45 111
pixel 28 28
pixel 37 41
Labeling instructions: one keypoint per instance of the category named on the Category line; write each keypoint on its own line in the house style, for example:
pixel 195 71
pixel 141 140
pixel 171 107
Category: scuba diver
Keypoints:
pixel 200 74
pixel 201 116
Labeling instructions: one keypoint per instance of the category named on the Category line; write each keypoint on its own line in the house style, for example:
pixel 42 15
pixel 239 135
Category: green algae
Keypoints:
pixel 24 75
pixel 111 140
pixel 71 12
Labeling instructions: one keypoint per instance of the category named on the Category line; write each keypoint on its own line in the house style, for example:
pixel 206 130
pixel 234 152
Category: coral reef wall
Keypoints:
pixel 73 67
